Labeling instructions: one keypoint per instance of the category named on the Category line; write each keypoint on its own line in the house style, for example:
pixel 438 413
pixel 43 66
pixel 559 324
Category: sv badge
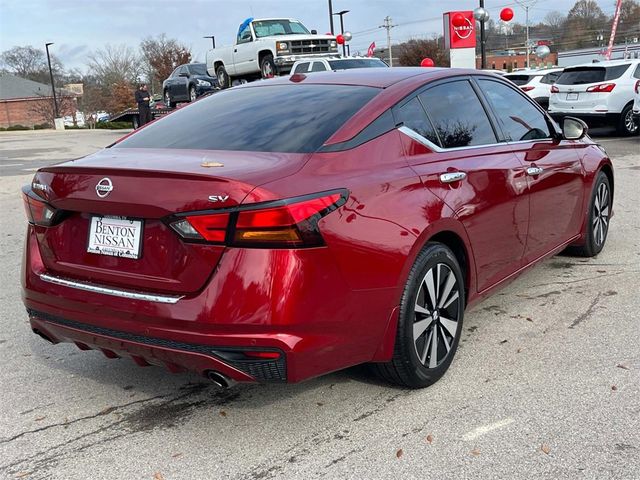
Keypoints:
pixel 218 198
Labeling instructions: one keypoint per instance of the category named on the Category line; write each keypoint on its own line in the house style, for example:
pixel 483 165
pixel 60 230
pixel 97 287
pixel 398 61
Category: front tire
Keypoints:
pixel 167 100
pixel 430 320
pixel 267 67
pixel 192 94
pixel 627 125
pixel 598 216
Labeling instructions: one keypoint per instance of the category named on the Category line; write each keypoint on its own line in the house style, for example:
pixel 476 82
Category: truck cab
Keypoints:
pixel 265 48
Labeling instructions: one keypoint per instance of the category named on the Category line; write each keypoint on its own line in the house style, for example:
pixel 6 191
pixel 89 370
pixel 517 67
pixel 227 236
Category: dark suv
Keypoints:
pixel 187 83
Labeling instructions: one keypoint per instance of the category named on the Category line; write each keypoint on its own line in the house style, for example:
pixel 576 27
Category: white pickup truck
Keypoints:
pixel 267 47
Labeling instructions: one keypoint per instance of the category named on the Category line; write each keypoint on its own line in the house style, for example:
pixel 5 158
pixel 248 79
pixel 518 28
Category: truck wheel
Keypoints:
pixel 167 99
pixel 627 126
pixel 223 77
pixel 268 67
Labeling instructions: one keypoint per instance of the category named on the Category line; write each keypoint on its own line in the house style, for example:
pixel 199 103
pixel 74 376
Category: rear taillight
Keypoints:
pixel 527 89
pixel 554 89
pixel 637 87
pixel 285 223
pixel 602 88
pixel 38 212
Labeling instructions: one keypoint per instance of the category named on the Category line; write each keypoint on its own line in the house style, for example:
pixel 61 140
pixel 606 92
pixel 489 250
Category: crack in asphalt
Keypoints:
pixel 585 279
pixel 589 311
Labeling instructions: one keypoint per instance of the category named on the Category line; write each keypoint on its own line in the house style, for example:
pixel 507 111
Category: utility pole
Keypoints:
pixel 483 42
pixel 53 87
pixel 388 26
pixel 527 4
pixel 331 16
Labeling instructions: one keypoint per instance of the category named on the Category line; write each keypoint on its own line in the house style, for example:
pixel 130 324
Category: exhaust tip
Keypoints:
pixel 220 380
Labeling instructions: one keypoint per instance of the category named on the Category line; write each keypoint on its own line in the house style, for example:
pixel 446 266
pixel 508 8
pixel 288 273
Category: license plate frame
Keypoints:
pixel 123 239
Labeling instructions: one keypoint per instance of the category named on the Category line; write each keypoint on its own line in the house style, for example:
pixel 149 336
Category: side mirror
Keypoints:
pixel 314 32
pixel 183 74
pixel 573 128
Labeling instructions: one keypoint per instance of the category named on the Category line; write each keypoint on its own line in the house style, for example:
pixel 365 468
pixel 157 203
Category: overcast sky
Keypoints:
pixel 79 26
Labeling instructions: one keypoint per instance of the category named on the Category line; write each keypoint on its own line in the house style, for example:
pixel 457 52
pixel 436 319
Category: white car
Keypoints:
pixel 536 83
pixel 308 65
pixel 265 48
pixel 598 93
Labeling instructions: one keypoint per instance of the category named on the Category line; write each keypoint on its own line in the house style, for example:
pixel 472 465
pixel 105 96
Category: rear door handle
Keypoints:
pixel 452 177
pixel 534 171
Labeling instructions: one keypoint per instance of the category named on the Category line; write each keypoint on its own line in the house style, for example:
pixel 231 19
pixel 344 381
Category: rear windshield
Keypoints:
pixel 275 118
pixel 519 79
pixel 583 75
pixel 356 63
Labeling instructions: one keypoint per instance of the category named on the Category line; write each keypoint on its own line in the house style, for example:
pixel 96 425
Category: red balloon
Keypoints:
pixel 339 39
pixel 458 20
pixel 506 14
pixel 427 62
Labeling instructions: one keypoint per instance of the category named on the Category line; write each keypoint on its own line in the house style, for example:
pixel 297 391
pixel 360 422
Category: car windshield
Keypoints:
pixel 267 28
pixel 275 118
pixel 519 79
pixel 198 69
pixel 356 63
pixel 583 75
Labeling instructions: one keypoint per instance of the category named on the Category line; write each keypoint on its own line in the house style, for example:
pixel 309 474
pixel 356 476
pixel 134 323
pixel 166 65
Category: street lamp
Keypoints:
pixel 341 14
pixel 213 40
pixel 331 17
pixel 53 88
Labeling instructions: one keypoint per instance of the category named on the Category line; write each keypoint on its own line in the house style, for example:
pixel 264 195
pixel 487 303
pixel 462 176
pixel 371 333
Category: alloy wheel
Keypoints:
pixel 629 123
pixel 437 313
pixel 192 94
pixel 267 71
pixel 601 213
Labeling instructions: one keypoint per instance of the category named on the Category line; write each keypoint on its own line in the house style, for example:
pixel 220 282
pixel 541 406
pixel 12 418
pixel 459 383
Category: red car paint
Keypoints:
pixel 313 310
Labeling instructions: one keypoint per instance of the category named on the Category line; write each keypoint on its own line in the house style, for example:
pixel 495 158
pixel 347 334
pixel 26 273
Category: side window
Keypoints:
pixel 318 67
pixel 457 114
pixel 412 115
pixel 183 69
pixel 636 74
pixel 245 36
pixel 550 78
pixel 302 68
pixel 520 120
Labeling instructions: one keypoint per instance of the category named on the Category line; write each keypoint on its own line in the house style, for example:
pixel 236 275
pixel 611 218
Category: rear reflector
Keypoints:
pixel 265 355
pixel 285 223
pixel 602 88
pixel 38 212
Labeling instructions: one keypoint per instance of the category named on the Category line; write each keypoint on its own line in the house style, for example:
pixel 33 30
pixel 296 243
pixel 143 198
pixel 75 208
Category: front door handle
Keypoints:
pixel 534 171
pixel 452 177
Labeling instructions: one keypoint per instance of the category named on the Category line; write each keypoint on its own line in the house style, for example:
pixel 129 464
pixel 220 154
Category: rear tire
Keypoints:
pixel 430 320
pixel 627 125
pixel 597 221
pixel 223 77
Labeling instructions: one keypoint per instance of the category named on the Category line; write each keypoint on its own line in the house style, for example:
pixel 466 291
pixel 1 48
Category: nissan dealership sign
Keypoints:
pixel 460 38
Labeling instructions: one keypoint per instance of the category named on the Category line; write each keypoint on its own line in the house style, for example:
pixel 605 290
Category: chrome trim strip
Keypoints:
pixel 88 287
pixel 427 143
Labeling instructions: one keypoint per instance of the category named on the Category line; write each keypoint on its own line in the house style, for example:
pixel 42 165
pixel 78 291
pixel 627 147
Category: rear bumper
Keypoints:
pixel 592 119
pixel 290 301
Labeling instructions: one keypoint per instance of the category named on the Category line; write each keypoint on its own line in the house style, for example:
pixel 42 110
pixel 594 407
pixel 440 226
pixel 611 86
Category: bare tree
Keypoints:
pixel 411 53
pixel 162 55
pixel 29 62
pixel 43 108
pixel 555 20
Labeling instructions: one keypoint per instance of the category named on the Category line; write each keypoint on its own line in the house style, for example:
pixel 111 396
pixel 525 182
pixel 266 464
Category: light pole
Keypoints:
pixel 341 14
pixel 331 16
pixel 213 40
pixel 53 88
pixel 482 15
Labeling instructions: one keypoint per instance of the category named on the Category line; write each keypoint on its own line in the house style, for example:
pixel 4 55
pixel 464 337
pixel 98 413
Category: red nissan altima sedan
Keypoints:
pixel 285 229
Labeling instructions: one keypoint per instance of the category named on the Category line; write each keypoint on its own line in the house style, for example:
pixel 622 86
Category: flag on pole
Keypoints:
pixel 371 50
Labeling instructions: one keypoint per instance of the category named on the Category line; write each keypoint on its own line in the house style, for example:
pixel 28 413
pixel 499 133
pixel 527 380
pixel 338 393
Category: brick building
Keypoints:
pixel 508 63
pixel 28 103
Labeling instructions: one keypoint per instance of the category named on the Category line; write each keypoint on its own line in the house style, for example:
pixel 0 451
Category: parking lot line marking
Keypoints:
pixel 11 165
pixel 478 432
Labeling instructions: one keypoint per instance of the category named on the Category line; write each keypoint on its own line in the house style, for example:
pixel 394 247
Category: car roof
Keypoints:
pixel 380 77
pixel 536 72
pixel 608 63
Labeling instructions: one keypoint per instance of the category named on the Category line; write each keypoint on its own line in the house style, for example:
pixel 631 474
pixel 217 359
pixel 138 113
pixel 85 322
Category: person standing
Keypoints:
pixel 142 99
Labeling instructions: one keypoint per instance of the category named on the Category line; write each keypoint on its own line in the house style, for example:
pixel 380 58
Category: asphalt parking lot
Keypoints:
pixel 546 383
